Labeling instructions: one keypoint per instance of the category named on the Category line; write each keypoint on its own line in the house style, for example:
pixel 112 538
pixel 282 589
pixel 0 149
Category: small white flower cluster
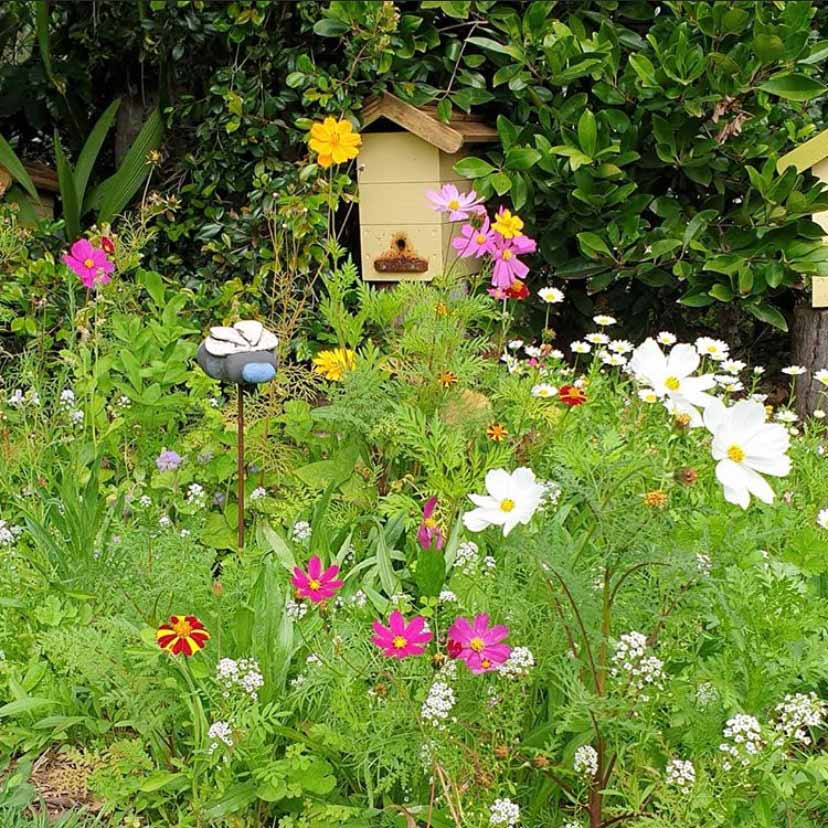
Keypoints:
pixel 243 673
pixel 703 563
pixel 519 663
pixel 571 823
pixel 446 596
pixel 195 494
pixel 220 732
pixel 504 812
pixel 67 397
pixel 466 558
pixel 145 501
pixel 745 735
pixel 301 531
pixel 799 711
pixel 586 761
pixel 642 670
pixel 551 492
pixel 706 694
pixel 822 519
pixel 359 599
pixel 680 774
pixel 8 534
pixel 17 399
pixel 438 704
pixel 296 609
pixel 258 493
pixel 164 521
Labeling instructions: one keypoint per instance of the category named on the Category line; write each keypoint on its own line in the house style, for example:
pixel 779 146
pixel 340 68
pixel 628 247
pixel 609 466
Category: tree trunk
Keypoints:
pixel 810 349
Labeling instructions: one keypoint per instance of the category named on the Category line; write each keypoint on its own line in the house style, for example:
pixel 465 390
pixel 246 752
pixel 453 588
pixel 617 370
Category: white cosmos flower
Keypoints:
pixel 551 296
pixel 666 338
pixel 544 390
pixel 670 377
pixel 597 338
pixel 511 499
pixel 746 447
pixel 794 370
pixel 821 376
pixel 733 366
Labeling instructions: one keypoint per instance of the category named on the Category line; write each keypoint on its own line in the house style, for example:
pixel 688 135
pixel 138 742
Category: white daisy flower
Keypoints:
pixel 821 376
pixel 544 390
pixel 603 320
pixel 580 347
pixel 716 349
pixel 746 447
pixel 551 295
pixel 647 395
pixel 794 370
pixel 597 338
pixel 666 338
pixel 620 346
pixel 511 499
pixel 733 366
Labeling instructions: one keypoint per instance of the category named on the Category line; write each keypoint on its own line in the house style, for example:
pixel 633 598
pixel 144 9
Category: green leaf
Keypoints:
pixel 522 158
pixel 328 27
pixel 91 148
pixel 472 167
pixel 294 80
pixel 770 314
pixel 431 572
pixel 25 705
pixel 500 48
pixel 68 194
pixel 236 798
pixel 768 47
pixel 507 131
pixel 644 69
pixel 115 193
pixel 9 159
pixel 501 182
pixel 592 244
pixel 587 133
pixel 42 27
pixel 721 292
pixel 696 299
pixel 794 87
pixel 819 51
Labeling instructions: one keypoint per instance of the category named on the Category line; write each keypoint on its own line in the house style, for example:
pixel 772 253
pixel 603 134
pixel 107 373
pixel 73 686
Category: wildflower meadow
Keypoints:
pixel 539 541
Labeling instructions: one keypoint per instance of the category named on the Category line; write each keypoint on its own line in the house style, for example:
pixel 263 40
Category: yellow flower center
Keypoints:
pixel 430 523
pixel 333 139
pixel 314 585
pixel 507 254
pixel 736 453
pixel 480 238
pixel 485 663
pixel 672 383
pixel 399 642
pixel 182 628
pixel 477 644
pixel 454 204
pixel 507 505
pixel 88 263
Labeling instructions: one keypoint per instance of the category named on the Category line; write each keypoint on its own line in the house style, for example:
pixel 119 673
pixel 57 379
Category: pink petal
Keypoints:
pixel 329 573
pixel 396 623
pixel 314 568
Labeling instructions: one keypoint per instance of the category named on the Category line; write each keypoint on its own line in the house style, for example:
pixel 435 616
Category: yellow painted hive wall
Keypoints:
pixel 402 238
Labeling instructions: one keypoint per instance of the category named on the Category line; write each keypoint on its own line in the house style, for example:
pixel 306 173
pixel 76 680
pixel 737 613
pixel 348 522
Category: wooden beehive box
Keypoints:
pixel 401 236
pixel 813 156
pixel 46 182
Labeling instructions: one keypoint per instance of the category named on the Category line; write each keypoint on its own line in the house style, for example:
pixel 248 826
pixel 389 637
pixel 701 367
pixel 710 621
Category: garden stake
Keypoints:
pixel 244 355
pixel 240 461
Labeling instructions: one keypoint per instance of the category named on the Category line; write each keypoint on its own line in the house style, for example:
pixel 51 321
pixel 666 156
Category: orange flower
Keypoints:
pixel 441 309
pixel 656 499
pixel 447 379
pixel 334 141
pixel 496 432
pixel 572 395
pixel 517 290
pixel 184 634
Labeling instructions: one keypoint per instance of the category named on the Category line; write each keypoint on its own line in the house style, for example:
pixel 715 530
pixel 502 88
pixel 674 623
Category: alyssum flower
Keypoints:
pixel 401 639
pixel 511 499
pixel 182 635
pixel 671 377
pixel 478 644
pixel 315 584
pixel 746 447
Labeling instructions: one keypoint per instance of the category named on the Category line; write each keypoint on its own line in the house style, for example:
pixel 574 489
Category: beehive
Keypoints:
pixel 401 236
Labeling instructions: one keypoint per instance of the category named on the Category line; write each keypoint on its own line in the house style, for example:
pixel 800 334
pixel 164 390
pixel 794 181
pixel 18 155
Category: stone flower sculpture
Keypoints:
pixel 243 354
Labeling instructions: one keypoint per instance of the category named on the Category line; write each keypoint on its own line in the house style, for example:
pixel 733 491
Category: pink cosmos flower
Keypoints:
pixel 400 639
pixel 429 535
pixel 316 584
pixel 459 206
pixel 475 241
pixel 89 263
pixel 507 265
pixel 479 644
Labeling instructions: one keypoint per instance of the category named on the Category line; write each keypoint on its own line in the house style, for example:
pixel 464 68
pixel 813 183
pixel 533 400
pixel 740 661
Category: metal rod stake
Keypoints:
pixel 240 452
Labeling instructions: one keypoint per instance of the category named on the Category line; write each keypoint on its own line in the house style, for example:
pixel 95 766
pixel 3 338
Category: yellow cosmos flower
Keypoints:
pixel 507 225
pixel 334 141
pixel 334 363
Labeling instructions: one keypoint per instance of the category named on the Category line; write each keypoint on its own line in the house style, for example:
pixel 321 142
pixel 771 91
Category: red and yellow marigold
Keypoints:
pixel 182 635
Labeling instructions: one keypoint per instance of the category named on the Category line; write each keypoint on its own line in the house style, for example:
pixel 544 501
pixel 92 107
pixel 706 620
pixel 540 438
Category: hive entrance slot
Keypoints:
pixel 400 257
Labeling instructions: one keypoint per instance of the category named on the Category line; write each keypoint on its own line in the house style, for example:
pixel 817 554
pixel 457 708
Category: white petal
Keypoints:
pixel 715 415
pixel 778 466
pixel 741 497
pixel 759 486
pixel 648 362
pixel 227 335
pixel 484 501
pixel 268 341
pixel 499 484
pixel 251 330
pixel 747 417
pixel 476 521
pixel 769 441
pixel 218 347
pixel 683 360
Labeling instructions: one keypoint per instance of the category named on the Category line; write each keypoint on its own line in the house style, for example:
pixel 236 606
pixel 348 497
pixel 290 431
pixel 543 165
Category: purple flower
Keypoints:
pixel 89 263
pixel 168 460
pixel 429 535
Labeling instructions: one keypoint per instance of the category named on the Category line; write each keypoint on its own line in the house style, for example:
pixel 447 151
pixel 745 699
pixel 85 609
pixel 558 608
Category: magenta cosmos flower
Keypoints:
pixel 478 644
pixel 89 263
pixel 400 639
pixel 429 534
pixel 316 584
pixel 507 265
pixel 475 241
pixel 459 206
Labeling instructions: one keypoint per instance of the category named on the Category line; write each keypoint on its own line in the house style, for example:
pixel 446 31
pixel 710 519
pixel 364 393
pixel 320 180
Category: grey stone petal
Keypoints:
pixel 251 330
pixel 227 335
pixel 217 347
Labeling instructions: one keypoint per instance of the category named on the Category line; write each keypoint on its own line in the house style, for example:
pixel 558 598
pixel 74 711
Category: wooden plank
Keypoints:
pixel 416 121
pixel 819 292
pixel 804 157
